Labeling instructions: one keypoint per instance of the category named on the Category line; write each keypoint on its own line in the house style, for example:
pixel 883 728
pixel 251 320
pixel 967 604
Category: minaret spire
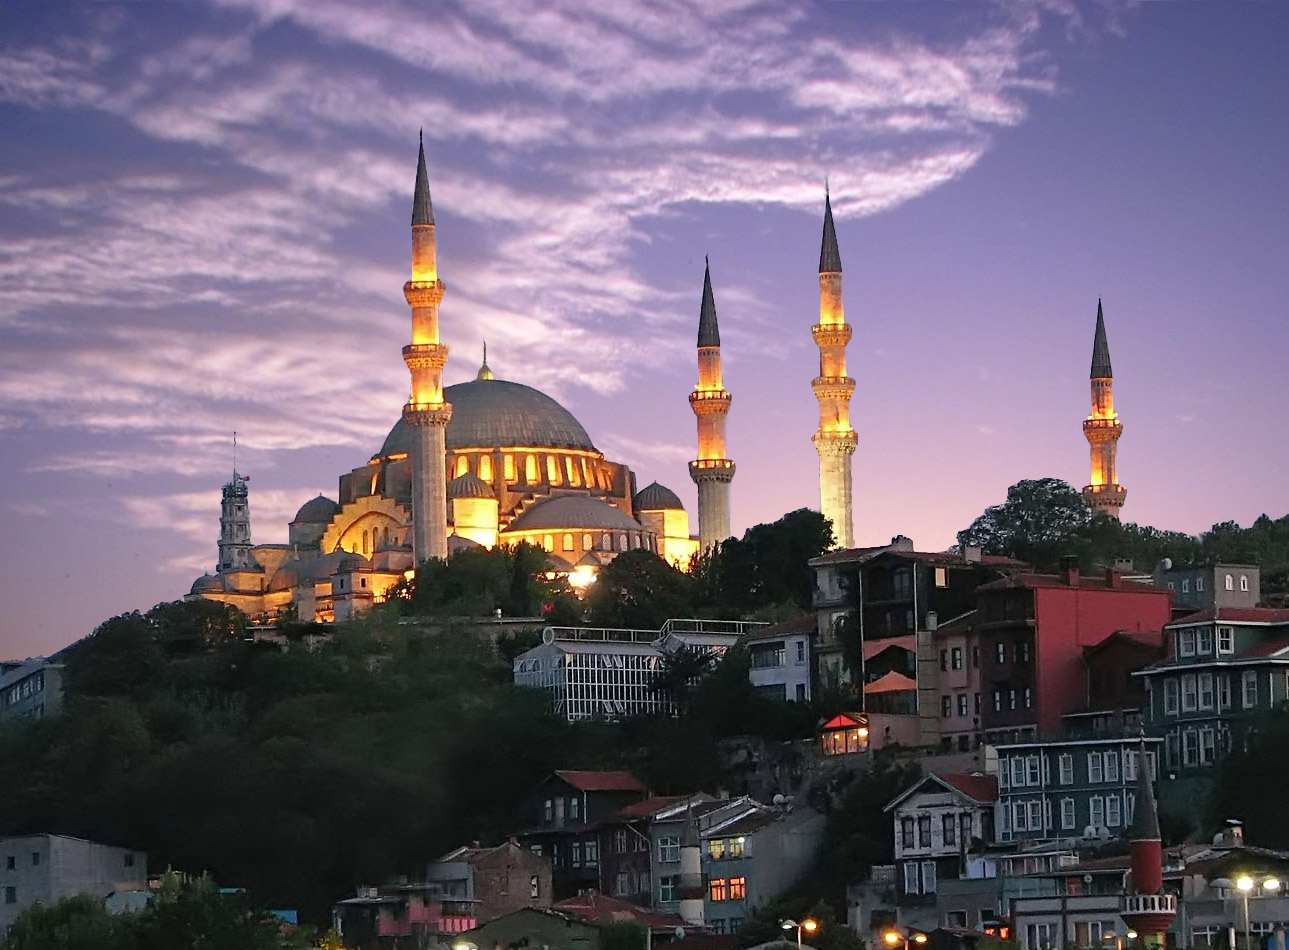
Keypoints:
pixel 835 440
pixel 1102 429
pixel 1146 909
pixel 426 412
pixel 712 472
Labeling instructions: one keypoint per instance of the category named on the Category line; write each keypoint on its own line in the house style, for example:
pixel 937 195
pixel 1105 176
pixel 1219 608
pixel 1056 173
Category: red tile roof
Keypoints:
pixel 980 788
pixel 651 806
pixel 602 909
pixel 845 720
pixel 806 623
pixel 874 647
pixel 1235 615
pixel 891 682
pixel 601 781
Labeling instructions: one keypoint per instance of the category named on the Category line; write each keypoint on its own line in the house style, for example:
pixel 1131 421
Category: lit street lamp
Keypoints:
pixel 808 924
pixel 893 938
pixel 1245 884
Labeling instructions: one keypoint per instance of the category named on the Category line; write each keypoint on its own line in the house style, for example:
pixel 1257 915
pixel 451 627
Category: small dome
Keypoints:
pixel 563 512
pixel 207 584
pixel 469 486
pixel 354 562
pixel 655 497
pixel 318 510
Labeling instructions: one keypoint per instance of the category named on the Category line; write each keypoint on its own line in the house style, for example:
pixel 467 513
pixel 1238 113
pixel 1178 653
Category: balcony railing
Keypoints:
pixel 1150 904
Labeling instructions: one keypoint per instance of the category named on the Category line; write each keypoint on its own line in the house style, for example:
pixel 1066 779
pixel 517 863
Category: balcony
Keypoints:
pixel 1150 904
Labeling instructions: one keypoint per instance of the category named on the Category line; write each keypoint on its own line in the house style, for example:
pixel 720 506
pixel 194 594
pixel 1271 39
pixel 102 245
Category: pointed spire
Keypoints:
pixel 708 333
pixel 1101 349
pixel 829 256
pixel 422 210
pixel 689 836
pixel 484 372
pixel 1145 818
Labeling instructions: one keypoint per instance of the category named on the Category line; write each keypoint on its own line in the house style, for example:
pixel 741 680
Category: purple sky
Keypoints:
pixel 204 228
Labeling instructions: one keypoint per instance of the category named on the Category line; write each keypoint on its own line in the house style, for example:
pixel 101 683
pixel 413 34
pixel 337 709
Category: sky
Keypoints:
pixel 204 214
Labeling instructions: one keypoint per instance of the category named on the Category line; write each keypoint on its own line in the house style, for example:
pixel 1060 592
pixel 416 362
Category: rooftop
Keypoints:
pixel 601 781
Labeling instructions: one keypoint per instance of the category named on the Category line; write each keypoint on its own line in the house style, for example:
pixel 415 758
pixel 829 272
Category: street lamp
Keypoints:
pixel 1245 885
pixel 893 938
pixel 808 924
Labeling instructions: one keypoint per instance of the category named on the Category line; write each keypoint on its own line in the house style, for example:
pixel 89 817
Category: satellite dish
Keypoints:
pixel 679 933
pixel 1090 831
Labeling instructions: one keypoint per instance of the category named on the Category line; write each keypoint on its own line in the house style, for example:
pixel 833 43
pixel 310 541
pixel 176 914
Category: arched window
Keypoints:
pixel 568 542
pixel 1244 583
pixel 530 469
pixel 1230 582
pixel 462 466
pixel 606 542
pixel 573 470
pixel 485 467
pixel 622 541
pixel 366 543
pixel 548 542
pixel 588 542
pixel 552 470
pixel 508 468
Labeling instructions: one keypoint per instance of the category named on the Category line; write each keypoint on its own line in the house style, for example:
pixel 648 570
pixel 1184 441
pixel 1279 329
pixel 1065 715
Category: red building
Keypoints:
pixel 1031 632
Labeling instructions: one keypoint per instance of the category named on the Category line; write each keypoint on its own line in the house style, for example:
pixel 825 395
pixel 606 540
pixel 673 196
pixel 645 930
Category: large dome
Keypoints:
pixel 494 413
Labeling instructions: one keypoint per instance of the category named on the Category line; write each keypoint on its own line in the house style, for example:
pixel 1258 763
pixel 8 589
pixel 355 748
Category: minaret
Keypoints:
pixel 690 889
pixel 1146 909
pixel 711 471
pixel 835 441
pixel 235 523
pixel 1102 429
pixel 426 412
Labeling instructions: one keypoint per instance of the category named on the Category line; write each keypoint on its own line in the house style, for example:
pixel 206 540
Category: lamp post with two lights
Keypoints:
pixel 808 924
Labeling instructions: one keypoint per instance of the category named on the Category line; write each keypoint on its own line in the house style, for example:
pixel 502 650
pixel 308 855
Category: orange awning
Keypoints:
pixel 892 682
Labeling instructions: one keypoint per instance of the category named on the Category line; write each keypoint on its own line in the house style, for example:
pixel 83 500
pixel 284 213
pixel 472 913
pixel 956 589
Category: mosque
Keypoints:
pixel 490 462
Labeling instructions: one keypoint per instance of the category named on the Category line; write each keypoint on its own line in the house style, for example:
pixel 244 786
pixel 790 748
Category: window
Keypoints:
pixel 1205 690
pixel 911 877
pixel 534 887
pixel 11 895
pixel 719 890
pixel 941 577
pixel 734 847
pixel 573 805
pixel 906 833
pixel 1171 753
pixel 1190 693
pixel 1207 746
pixel 1067 814
pixel 1065 768
pixel 1186 642
pixel 1112 766
pixel 975 657
pixel 588 542
pixel 1225 640
pixel 801 651
pixel 1113 811
pixel 1042 937
pixel 998 700
pixel 1129 765
pixel 35 859
pixel 129 859
pixel 1230 582
pixel 946 707
pixel 1190 747
pixel 1018 771
pixel 949 829
pixel 928 877
pixel 944 660
pixel 1204 641
pixel 1023 651
pixel 956 658
pixel 620 841
pixel 738 888
pixel 1224 691
pixel 964 827
pixel 1095 773
pixel 9 862
pixel 592 853
pixel 1171 692
pixel 1244 583
pixel 962 704
pixel 924 831
pixel 1032 771
pixel 1011 699
pixel 1186 585
pixel 576 850
pixel 1199 584
pixel 622 884
pixel 976 703
pixel 1035 814
pixel 1249 686
pixel 668 848
pixel 667 888
pixel 1096 811
pixel 1028 697
pixel 716 849
pixel 1000 652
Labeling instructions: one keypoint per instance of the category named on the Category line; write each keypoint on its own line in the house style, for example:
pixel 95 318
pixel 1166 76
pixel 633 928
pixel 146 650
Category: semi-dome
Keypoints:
pixel 655 497
pixel 562 512
pixel 469 486
pixel 319 510
pixel 496 413
pixel 207 584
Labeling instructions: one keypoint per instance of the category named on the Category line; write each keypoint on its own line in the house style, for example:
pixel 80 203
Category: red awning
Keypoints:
pixel 892 682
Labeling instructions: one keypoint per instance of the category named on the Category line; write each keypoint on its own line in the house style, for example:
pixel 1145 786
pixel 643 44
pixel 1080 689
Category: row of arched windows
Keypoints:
pixel 605 541
pixel 572 470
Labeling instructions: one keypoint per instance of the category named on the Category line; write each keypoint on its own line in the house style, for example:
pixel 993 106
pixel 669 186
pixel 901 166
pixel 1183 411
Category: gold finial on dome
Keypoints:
pixel 484 372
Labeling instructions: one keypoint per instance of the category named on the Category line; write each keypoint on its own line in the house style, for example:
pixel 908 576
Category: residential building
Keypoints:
pixel 493 881
pixel 780 658
pixel 390 915
pixel 1074 788
pixel 576 924
pixel 30 688
pixel 1200 587
pixel 1114 697
pixel 958 701
pixel 1031 631
pixel 46 868
pixel 599 673
pixel 752 853
pixel 937 821
pixel 1212 906
pixel 640 856
pixel 1224 667
pixel 565 816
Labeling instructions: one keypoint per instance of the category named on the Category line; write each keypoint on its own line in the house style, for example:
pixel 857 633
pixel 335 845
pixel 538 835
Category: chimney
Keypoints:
pixel 971 553
pixel 1070 570
pixel 1113 579
pixel 902 543
pixel 932 620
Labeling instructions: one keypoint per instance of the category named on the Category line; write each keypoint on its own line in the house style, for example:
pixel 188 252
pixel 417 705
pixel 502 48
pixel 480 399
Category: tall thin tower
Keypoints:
pixel 235 523
pixel 1146 908
pixel 1102 429
pixel 426 411
pixel 712 472
pixel 835 441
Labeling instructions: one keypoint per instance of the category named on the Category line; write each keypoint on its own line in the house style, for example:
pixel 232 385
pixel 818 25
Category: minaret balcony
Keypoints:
pixel 425 355
pixel 1150 904
pixel 833 387
pixel 423 293
pixel 1102 430
pixel 706 402
pixel 711 470
pixel 831 334
pixel 427 413
pixel 835 441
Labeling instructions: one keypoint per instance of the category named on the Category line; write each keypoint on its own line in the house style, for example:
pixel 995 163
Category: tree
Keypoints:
pixel 1244 778
pixel 769 566
pixel 75 923
pixel 1041 520
pixel 639 589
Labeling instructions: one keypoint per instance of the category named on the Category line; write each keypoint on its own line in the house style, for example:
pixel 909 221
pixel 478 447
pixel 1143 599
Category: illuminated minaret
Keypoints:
pixel 711 471
pixel 835 441
pixel 1102 429
pixel 426 411
pixel 1146 909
